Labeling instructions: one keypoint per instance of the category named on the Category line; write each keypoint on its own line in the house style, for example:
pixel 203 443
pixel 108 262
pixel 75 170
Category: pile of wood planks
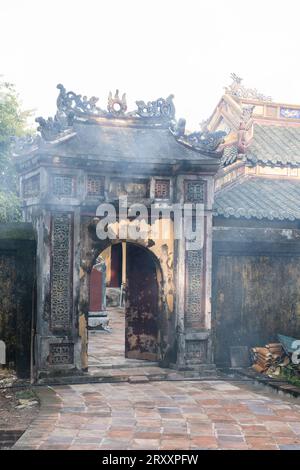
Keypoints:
pixel 269 359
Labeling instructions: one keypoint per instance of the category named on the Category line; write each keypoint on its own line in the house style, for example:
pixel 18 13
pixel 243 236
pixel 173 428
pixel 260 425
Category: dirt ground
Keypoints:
pixel 18 407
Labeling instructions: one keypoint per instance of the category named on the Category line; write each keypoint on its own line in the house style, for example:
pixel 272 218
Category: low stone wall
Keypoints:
pixel 17 272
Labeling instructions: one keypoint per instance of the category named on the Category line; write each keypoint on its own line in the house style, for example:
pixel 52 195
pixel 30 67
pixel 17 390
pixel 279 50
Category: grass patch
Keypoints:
pixel 27 394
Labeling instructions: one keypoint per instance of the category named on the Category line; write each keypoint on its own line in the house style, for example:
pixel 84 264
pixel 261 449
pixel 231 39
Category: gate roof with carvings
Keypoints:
pixel 150 135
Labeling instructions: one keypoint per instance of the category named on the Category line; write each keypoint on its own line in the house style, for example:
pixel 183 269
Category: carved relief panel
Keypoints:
pixel 194 288
pixel 162 189
pixel 95 185
pixel 195 191
pixel 31 186
pixel 61 353
pixel 61 271
pixel 135 188
pixel 63 185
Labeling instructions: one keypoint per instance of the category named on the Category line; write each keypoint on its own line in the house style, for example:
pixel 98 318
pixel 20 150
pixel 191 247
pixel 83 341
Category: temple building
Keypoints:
pixel 256 269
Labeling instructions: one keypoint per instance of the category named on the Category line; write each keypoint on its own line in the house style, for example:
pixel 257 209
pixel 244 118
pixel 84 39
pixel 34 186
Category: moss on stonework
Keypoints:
pixel 16 231
pixel 26 394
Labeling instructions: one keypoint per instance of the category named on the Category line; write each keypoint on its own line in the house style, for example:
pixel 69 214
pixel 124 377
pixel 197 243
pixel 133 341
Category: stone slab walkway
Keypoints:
pixel 162 415
pixel 107 349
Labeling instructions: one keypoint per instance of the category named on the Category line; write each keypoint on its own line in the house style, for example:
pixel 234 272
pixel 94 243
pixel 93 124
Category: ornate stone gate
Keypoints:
pixel 84 156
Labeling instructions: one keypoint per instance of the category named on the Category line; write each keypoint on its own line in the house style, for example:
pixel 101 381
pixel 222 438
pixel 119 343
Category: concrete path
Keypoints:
pixel 162 415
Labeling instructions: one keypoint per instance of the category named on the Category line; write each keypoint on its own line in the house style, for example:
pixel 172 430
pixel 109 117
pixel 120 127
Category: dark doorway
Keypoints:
pixel 141 308
pixel 116 265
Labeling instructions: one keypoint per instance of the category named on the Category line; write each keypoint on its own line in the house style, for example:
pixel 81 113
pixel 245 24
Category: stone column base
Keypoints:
pixel 195 352
pixel 58 355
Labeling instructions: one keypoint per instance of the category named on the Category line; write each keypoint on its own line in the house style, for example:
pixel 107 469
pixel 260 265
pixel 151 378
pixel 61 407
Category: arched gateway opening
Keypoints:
pixel 125 302
pixel 87 156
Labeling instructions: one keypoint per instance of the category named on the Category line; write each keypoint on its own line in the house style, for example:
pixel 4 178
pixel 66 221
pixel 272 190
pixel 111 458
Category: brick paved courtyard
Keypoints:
pixel 163 415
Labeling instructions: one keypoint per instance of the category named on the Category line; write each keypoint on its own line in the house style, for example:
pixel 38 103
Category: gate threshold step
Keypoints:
pixel 130 375
pixel 124 365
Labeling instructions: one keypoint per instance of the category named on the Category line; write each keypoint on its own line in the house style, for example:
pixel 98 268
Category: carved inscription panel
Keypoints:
pixel 196 351
pixel 61 353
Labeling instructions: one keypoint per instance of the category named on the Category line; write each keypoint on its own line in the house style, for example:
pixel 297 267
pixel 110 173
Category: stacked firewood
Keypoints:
pixel 269 359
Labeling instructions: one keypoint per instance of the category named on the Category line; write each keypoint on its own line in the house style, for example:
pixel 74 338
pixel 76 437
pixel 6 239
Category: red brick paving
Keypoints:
pixel 162 415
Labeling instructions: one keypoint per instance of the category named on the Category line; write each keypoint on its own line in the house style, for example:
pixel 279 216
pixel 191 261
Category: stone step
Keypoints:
pixel 8 437
pixel 138 379
pixel 124 365
pixel 128 375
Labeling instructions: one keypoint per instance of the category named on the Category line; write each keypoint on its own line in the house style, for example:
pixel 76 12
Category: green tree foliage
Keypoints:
pixel 12 124
pixel 10 208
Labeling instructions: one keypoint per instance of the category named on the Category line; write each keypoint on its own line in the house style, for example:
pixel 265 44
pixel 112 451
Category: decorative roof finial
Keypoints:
pixel 236 78
pixel 71 107
pixel 69 101
pixel 117 106
pixel 203 141
pixel 238 90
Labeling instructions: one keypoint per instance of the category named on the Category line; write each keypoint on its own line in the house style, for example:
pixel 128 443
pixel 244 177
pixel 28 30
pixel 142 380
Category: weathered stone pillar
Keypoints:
pixel 193 278
pixel 57 329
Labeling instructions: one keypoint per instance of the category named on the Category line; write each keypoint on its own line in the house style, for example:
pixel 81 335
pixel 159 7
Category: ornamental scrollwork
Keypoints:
pixel 247 113
pixel 238 90
pixel 117 106
pixel 161 108
pixel 25 143
pixel 178 128
pixel 204 141
pixel 61 287
pixel 70 101
pixel 52 128
pixel 72 107
pixel 243 133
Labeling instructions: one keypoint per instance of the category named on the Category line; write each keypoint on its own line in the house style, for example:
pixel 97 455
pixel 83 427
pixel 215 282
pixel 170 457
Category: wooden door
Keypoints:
pixel 141 308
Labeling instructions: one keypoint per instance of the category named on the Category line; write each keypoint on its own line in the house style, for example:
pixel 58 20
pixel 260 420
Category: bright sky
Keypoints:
pixel 149 49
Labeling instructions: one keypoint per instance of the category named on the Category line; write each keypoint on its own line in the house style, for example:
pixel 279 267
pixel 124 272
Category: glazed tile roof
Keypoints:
pixel 129 143
pixel 271 145
pixel 275 145
pixel 259 198
pixel 230 155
